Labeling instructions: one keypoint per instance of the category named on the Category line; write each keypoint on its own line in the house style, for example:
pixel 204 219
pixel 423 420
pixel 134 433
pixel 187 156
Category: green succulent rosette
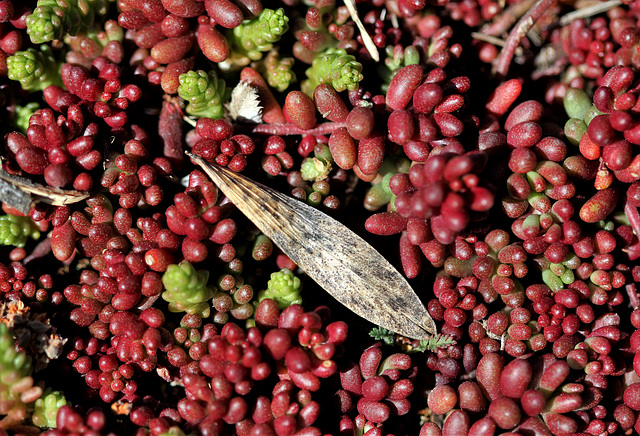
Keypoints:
pixel 336 68
pixel 279 73
pixel 16 383
pixel 186 289
pixel 22 114
pixel 45 409
pixel 34 69
pixel 53 19
pixel 257 36
pixel 204 92
pixel 284 288
pixel 315 169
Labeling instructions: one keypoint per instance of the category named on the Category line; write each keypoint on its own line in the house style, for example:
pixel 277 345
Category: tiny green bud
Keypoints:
pixel 315 169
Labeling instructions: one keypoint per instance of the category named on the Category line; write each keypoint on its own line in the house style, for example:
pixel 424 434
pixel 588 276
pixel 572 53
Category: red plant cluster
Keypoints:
pixel 491 154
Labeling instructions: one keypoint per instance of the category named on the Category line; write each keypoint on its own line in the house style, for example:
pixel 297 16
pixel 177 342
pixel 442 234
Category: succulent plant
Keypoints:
pixel 45 409
pixel 335 67
pixel 34 69
pixel 279 72
pixel 16 384
pixel 186 289
pixel 284 288
pixel 204 92
pixel 16 230
pixel 257 36
pixel 53 19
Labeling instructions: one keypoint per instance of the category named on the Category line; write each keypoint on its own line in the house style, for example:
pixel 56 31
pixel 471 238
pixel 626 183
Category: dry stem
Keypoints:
pixel 589 11
pixel 501 66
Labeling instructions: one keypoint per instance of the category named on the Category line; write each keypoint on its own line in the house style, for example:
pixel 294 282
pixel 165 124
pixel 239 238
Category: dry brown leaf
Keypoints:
pixel 340 261
pixel 20 192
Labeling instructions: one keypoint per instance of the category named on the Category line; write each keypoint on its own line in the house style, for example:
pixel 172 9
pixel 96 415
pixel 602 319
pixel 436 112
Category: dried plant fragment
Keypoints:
pixel 589 11
pixel 245 104
pixel 20 192
pixel 340 261
pixel 33 334
pixel 366 38
pixel 15 197
pixel 121 408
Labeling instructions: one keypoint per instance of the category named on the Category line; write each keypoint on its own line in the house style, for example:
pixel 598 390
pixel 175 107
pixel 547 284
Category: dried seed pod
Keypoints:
pixel 340 261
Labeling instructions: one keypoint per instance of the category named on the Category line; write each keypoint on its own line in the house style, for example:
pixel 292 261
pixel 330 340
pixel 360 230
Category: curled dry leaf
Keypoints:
pixel 340 261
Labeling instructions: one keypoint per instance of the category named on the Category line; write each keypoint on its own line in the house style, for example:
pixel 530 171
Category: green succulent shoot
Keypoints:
pixel 256 36
pixel 13 364
pixel 186 289
pixel 16 230
pixel 284 288
pixel 34 69
pixel 45 409
pixel 576 103
pixel 279 72
pixel 397 57
pixel 53 19
pixel 22 114
pixel 336 68
pixel 205 93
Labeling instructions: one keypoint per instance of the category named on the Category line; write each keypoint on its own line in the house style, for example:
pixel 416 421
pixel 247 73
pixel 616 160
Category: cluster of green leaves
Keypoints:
pixel 16 230
pixel 279 71
pixel 204 92
pixel 45 409
pixel 336 68
pixel 34 69
pixel 284 288
pixel 397 57
pixel 16 383
pixel 581 110
pixel 255 37
pixel 53 19
pixel 186 289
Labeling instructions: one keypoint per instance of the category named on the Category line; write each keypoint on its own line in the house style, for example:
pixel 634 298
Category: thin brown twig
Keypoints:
pixel 501 66
pixel 488 38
